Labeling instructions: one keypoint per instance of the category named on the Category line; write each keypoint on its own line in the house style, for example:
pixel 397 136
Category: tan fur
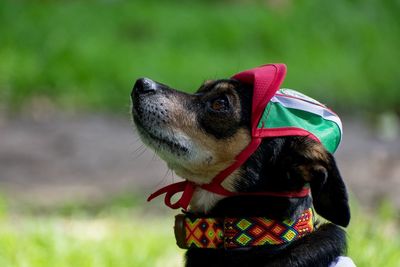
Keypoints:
pixel 317 152
pixel 221 152
pixel 318 157
pixel 224 86
pixel 207 83
pixel 203 200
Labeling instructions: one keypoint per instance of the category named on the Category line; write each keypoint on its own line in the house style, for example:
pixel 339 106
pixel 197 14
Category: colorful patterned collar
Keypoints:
pixel 229 233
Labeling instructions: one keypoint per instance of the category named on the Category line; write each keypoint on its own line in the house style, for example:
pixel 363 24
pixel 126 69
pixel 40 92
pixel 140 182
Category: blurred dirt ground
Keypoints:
pixel 68 158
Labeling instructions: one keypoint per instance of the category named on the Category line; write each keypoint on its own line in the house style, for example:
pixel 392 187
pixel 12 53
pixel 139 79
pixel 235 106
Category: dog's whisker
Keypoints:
pixel 153 158
pixel 162 181
pixel 142 146
pixel 134 152
pixel 173 176
pixel 140 154
pixel 166 174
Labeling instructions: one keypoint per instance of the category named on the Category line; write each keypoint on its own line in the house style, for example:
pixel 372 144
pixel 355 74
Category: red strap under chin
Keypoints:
pixel 170 190
pixel 188 189
pixel 215 186
pixel 266 81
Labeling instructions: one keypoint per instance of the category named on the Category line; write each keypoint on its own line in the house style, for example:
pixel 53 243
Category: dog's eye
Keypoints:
pixel 220 104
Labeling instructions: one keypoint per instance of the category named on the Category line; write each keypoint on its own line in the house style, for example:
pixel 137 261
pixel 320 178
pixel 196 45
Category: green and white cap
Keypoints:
pixel 292 113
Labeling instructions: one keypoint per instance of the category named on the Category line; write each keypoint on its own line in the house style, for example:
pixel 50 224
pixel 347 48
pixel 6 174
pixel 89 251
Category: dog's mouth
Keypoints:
pixel 152 121
pixel 152 111
pixel 157 141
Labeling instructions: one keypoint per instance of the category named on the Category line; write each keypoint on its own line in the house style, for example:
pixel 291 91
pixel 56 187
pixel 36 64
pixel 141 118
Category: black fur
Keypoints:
pixel 315 250
pixel 330 196
pixel 267 170
pixel 273 167
pixel 279 164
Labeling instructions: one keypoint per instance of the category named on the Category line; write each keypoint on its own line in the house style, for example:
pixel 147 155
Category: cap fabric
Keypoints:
pixel 286 112
pixel 292 113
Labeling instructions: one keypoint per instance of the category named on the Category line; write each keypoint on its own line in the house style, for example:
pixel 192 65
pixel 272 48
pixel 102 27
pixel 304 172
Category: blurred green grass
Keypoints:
pixel 97 242
pixel 138 238
pixel 86 55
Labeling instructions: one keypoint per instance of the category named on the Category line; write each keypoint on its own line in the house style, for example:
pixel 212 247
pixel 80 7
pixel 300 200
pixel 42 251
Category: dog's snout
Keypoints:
pixel 144 85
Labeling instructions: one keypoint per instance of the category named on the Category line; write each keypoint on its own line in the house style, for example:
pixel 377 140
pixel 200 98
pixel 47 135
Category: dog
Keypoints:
pixel 199 135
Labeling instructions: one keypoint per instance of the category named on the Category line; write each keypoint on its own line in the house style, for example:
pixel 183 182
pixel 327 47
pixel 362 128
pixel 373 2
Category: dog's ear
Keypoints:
pixel 315 165
pixel 329 192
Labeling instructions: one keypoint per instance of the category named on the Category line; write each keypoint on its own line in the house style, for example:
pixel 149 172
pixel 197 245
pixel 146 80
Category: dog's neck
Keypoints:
pixel 203 201
pixel 263 168
pixel 237 233
pixel 210 204
pixel 250 206
pixel 259 174
pixel 232 223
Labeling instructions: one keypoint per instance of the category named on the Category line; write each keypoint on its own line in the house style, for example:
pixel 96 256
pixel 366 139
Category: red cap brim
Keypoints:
pixel 266 80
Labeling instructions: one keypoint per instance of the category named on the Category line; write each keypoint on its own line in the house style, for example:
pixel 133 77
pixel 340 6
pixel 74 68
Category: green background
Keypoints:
pixel 86 55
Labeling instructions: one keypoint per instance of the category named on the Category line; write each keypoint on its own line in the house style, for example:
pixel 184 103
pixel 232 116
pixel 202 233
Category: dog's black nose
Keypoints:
pixel 144 85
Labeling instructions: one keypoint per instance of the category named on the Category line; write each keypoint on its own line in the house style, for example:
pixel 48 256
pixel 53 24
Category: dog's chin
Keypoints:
pixel 167 148
pixel 163 144
pixel 181 157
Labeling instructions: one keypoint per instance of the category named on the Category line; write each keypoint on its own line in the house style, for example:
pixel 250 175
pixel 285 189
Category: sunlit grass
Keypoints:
pixel 132 239
pixel 374 239
pixel 97 242
pixel 87 54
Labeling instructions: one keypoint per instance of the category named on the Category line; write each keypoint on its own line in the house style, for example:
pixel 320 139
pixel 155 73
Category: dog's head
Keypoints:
pixel 200 134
